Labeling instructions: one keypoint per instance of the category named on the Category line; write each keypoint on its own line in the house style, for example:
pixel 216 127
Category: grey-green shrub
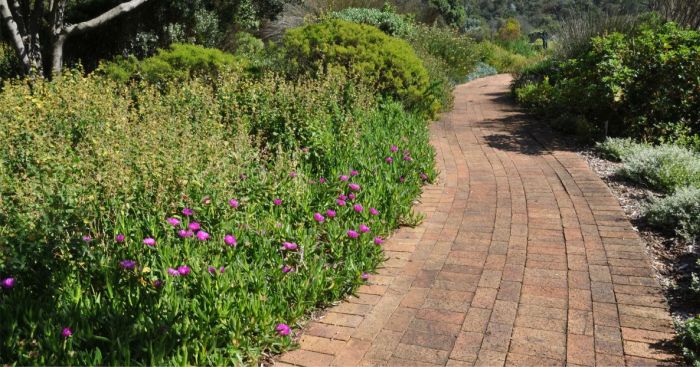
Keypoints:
pixel 617 148
pixel 389 22
pixel 680 210
pixel 664 167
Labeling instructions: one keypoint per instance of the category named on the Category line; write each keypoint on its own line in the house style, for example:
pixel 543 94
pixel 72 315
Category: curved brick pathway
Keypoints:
pixel 525 258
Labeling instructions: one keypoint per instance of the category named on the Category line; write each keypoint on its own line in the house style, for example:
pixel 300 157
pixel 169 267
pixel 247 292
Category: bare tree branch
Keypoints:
pixel 105 17
pixel 15 34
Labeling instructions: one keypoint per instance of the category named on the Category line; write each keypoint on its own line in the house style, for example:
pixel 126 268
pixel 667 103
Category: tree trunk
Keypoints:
pixel 57 53
pixel 16 36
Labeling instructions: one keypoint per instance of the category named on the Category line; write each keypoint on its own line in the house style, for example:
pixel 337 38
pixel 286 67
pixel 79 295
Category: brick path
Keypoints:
pixel 525 258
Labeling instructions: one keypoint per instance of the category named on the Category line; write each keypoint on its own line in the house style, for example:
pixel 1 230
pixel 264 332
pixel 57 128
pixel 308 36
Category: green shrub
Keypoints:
pixel 389 22
pixel 481 70
pixel 388 64
pixel 690 338
pixel 641 85
pixel 679 211
pixel 457 52
pixel 510 30
pixel 618 148
pixel 665 167
pixel 87 158
pixel 504 60
pixel 180 62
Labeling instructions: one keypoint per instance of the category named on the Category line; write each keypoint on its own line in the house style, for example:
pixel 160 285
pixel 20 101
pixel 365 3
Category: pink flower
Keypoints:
pixel 373 211
pixel 407 158
pixel 185 233
pixel 394 148
pixel 424 177
pixel 8 283
pixel 222 269
pixel 321 180
pixel 187 212
pixel 364 228
pixel 378 240
pixel 202 236
pixel 286 269
pixel 183 270
pixel 364 276
pixel 87 238
pixel 354 187
pixel 211 270
pixel 127 264
pixel 340 202
pixel 173 222
pixel 342 197
pixel 283 330
pixel 230 240
pixel 344 178
pixel 149 241
pixel 206 200
pixel 289 246
pixel 194 226
pixel 358 208
pixel 402 179
pixel 120 238
pixel 319 218
pixel 292 174
pixel 66 332
pixel 354 173
pixel 233 203
pixel 158 283
pixel 330 213
pixel 172 272
pixel 277 201
pixel 352 196
pixel 389 160
pixel 353 234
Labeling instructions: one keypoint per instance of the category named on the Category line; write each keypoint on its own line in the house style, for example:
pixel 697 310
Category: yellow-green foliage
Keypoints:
pixel 179 62
pixel 510 30
pixel 505 61
pixel 387 63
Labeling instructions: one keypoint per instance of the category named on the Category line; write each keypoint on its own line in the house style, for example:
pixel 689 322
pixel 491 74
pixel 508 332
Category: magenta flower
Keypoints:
pixel 394 148
pixel 87 238
pixel 344 178
pixel 340 202
pixel 286 269
pixel 8 283
pixel 321 180
pixel 402 179
pixel 120 238
pixel 373 211
pixel 230 240
pixel 149 241
pixel 185 233
pixel 319 218
pixel 364 276
pixel 289 246
pixel 187 212
pixel 66 332
pixel 222 269
pixel 277 201
pixel 424 177
pixel 364 228
pixel 158 283
pixel 206 200
pixel 212 270
pixel 407 158
pixel 352 196
pixel 283 330
pixel 353 234
pixel 173 272
pixel 342 197
pixel 330 213
pixel 173 222
pixel 358 208
pixel 194 226
pixel 378 241
pixel 233 203
pixel 202 236
pixel 127 264
pixel 389 160
pixel 354 187
pixel 183 270
pixel 354 173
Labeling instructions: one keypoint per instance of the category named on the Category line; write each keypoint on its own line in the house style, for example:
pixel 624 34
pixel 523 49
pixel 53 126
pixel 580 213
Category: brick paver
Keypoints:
pixel 525 258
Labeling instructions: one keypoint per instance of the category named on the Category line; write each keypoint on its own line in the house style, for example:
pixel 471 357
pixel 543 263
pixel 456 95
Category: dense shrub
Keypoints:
pixel 388 21
pixel 679 211
pixel 690 338
pixel 503 60
pixel 481 70
pixel 457 52
pixel 87 159
pixel 666 167
pixel 388 64
pixel 179 62
pixel 510 30
pixel 617 148
pixel 644 86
